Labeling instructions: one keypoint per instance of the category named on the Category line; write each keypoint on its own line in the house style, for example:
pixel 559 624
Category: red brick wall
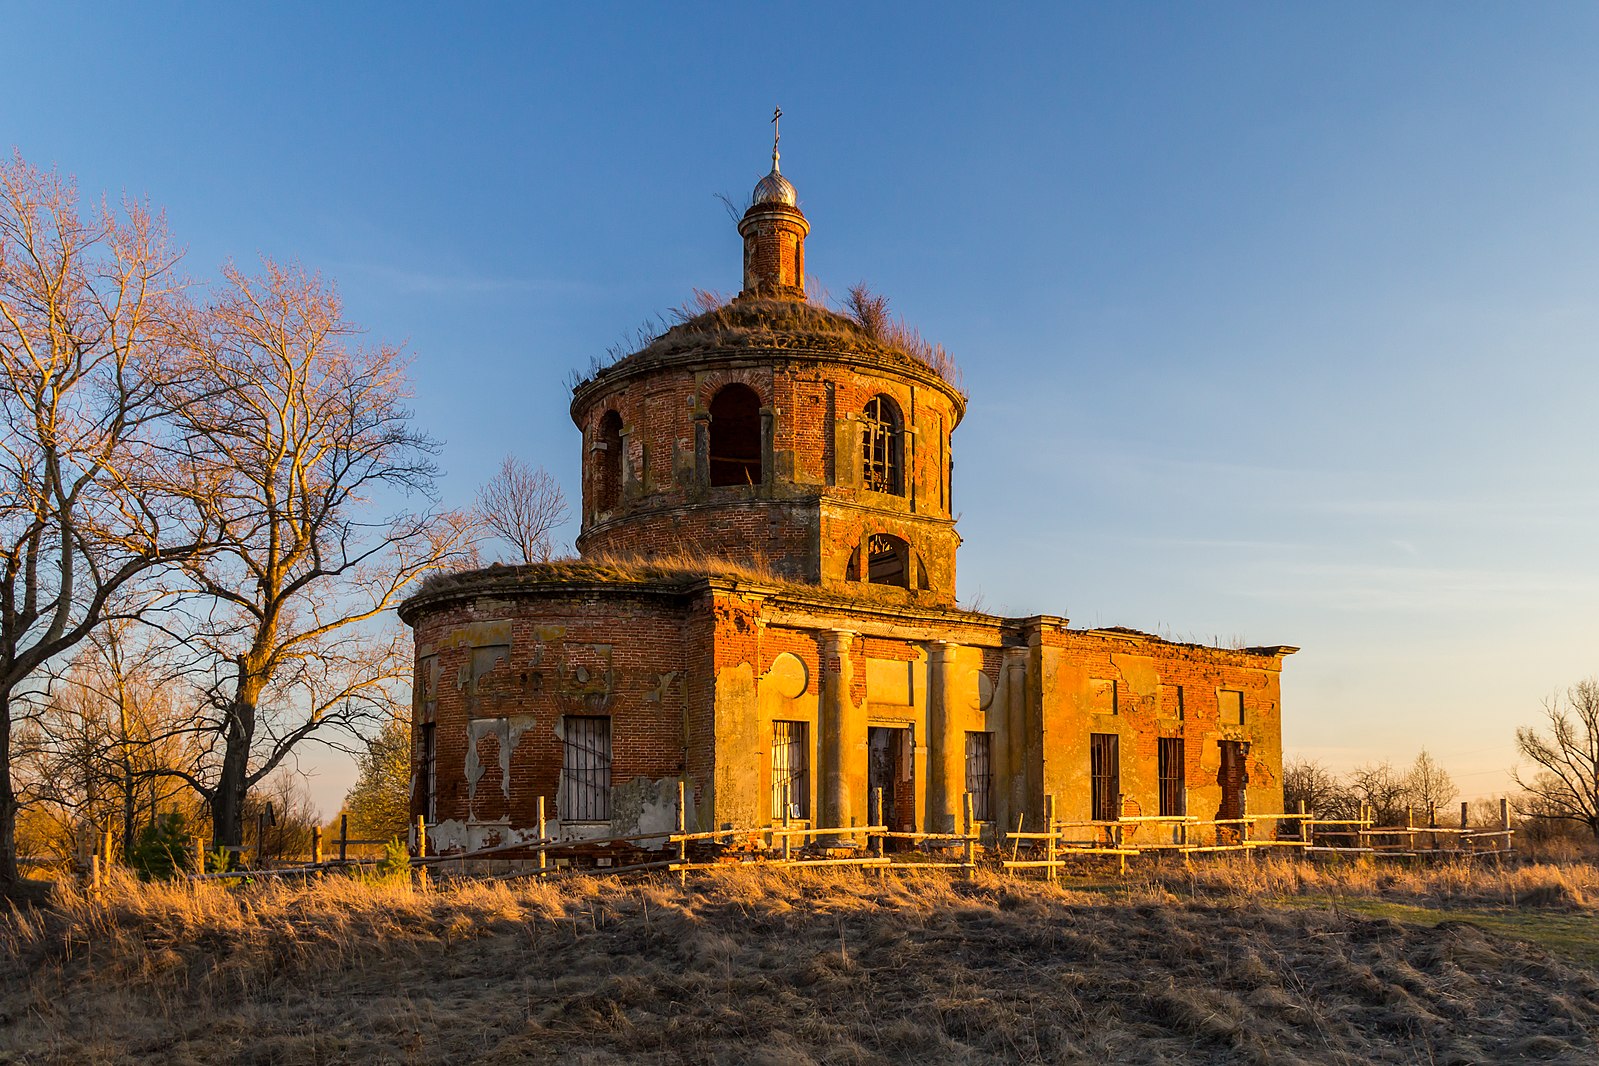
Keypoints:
pixel 666 507
pixel 579 653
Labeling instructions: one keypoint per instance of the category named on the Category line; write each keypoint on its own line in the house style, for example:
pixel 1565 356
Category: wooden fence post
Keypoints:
pixel 1462 843
pixel 1432 823
pixel 787 846
pixel 882 820
pixel 1304 826
pixel 199 854
pixel 969 859
pixel 544 858
pixel 1504 821
pixel 1116 836
pixel 1049 837
pixel 316 845
pixel 682 830
pixel 344 837
pixel 1410 829
pixel 421 851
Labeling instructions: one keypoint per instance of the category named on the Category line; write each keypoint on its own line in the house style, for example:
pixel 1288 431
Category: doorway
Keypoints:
pixel 889 769
pixel 1233 778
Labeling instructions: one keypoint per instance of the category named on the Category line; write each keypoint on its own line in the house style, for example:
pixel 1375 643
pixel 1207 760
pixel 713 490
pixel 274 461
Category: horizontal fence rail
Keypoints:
pixel 1060 844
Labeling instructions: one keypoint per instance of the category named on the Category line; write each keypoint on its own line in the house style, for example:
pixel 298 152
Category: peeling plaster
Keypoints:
pixel 645 806
pixel 508 732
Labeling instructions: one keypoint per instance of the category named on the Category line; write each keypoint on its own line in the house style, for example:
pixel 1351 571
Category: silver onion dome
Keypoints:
pixel 774 189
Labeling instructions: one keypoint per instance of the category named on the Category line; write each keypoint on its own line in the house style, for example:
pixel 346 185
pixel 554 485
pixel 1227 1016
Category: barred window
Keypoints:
pixel 1105 775
pixel 1173 793
pixel 882 447
pixel 791 776
pixel 586 770
pixel 980 774
pixel 428 775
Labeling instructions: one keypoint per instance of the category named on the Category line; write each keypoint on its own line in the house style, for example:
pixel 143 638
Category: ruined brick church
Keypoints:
pixel 764 610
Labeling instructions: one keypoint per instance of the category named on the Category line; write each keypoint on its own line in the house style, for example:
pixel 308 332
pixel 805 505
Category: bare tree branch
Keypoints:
pixel 300 435
pixel 523 505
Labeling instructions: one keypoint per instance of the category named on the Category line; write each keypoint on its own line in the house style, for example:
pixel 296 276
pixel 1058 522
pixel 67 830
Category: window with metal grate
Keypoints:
pixel 1105 775
pixel 586 769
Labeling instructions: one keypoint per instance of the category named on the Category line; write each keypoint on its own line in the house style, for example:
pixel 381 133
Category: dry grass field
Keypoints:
pixel 1270 962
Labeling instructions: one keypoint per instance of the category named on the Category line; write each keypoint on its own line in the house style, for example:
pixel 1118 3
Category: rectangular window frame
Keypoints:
pixel 428 769
pixel 1172 776
pixel 1104 775
pixel 980 774
pixel 791 769
pixel 1230 707
pixel 585 768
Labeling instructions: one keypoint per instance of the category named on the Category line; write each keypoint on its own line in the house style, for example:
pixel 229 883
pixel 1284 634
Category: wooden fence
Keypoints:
pixel 1068 843
pixel 1058 845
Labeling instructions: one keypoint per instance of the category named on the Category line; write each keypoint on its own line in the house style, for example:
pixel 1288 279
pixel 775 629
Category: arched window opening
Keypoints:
pixel 882 447
pixel 735 436
pixel 608 463
pixel 887 560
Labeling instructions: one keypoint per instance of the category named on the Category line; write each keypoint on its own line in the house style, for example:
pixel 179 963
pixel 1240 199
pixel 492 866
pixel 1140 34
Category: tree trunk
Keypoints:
pixel 227 802
pixel 8 802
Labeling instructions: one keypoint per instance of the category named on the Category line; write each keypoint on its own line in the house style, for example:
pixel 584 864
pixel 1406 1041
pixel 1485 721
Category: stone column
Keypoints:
pixel 843 729
pixel 946 771
pixel 702 450
pixel 1013 757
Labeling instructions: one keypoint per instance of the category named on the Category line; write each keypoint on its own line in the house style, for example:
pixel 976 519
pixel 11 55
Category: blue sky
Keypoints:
pixel 1278 320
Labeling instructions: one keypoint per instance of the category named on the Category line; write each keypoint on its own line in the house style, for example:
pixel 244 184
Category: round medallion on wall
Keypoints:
pixel 983 694
pixel 788 675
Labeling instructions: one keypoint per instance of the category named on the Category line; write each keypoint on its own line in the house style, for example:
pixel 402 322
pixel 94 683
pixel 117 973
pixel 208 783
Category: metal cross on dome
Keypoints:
pixel 777 135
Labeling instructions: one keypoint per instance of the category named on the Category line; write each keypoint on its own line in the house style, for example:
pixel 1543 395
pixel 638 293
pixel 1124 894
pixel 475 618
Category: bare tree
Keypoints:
pixel 301 440
pixel 1308 781
pixel 1428 784
pixel 1382 788
pixel 105 738
pixel 88 301
pixel 1564 784
pixel 522 505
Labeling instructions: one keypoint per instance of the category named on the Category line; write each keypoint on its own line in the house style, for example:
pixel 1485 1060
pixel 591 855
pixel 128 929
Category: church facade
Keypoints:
pixel 764 610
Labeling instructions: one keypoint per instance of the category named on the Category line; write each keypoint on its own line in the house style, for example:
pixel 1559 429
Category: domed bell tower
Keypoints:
pixel 774 231
pixel 777 433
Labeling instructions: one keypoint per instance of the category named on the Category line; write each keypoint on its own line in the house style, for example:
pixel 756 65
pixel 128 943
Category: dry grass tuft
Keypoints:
pixel 785 966
pixel 1475 884
pixel 674 567
pixel 711 320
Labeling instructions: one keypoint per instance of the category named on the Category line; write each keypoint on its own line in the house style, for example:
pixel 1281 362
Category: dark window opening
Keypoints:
pixel 890 780
pixel 980 774
pixel 887 560
pixel 882 447
pixel 586 769
pixel 735 436
pixel 1233 779
pixel 608 463
pixel 791 775
pixel 1173 793
pixel 428 775
pixel 1105 776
